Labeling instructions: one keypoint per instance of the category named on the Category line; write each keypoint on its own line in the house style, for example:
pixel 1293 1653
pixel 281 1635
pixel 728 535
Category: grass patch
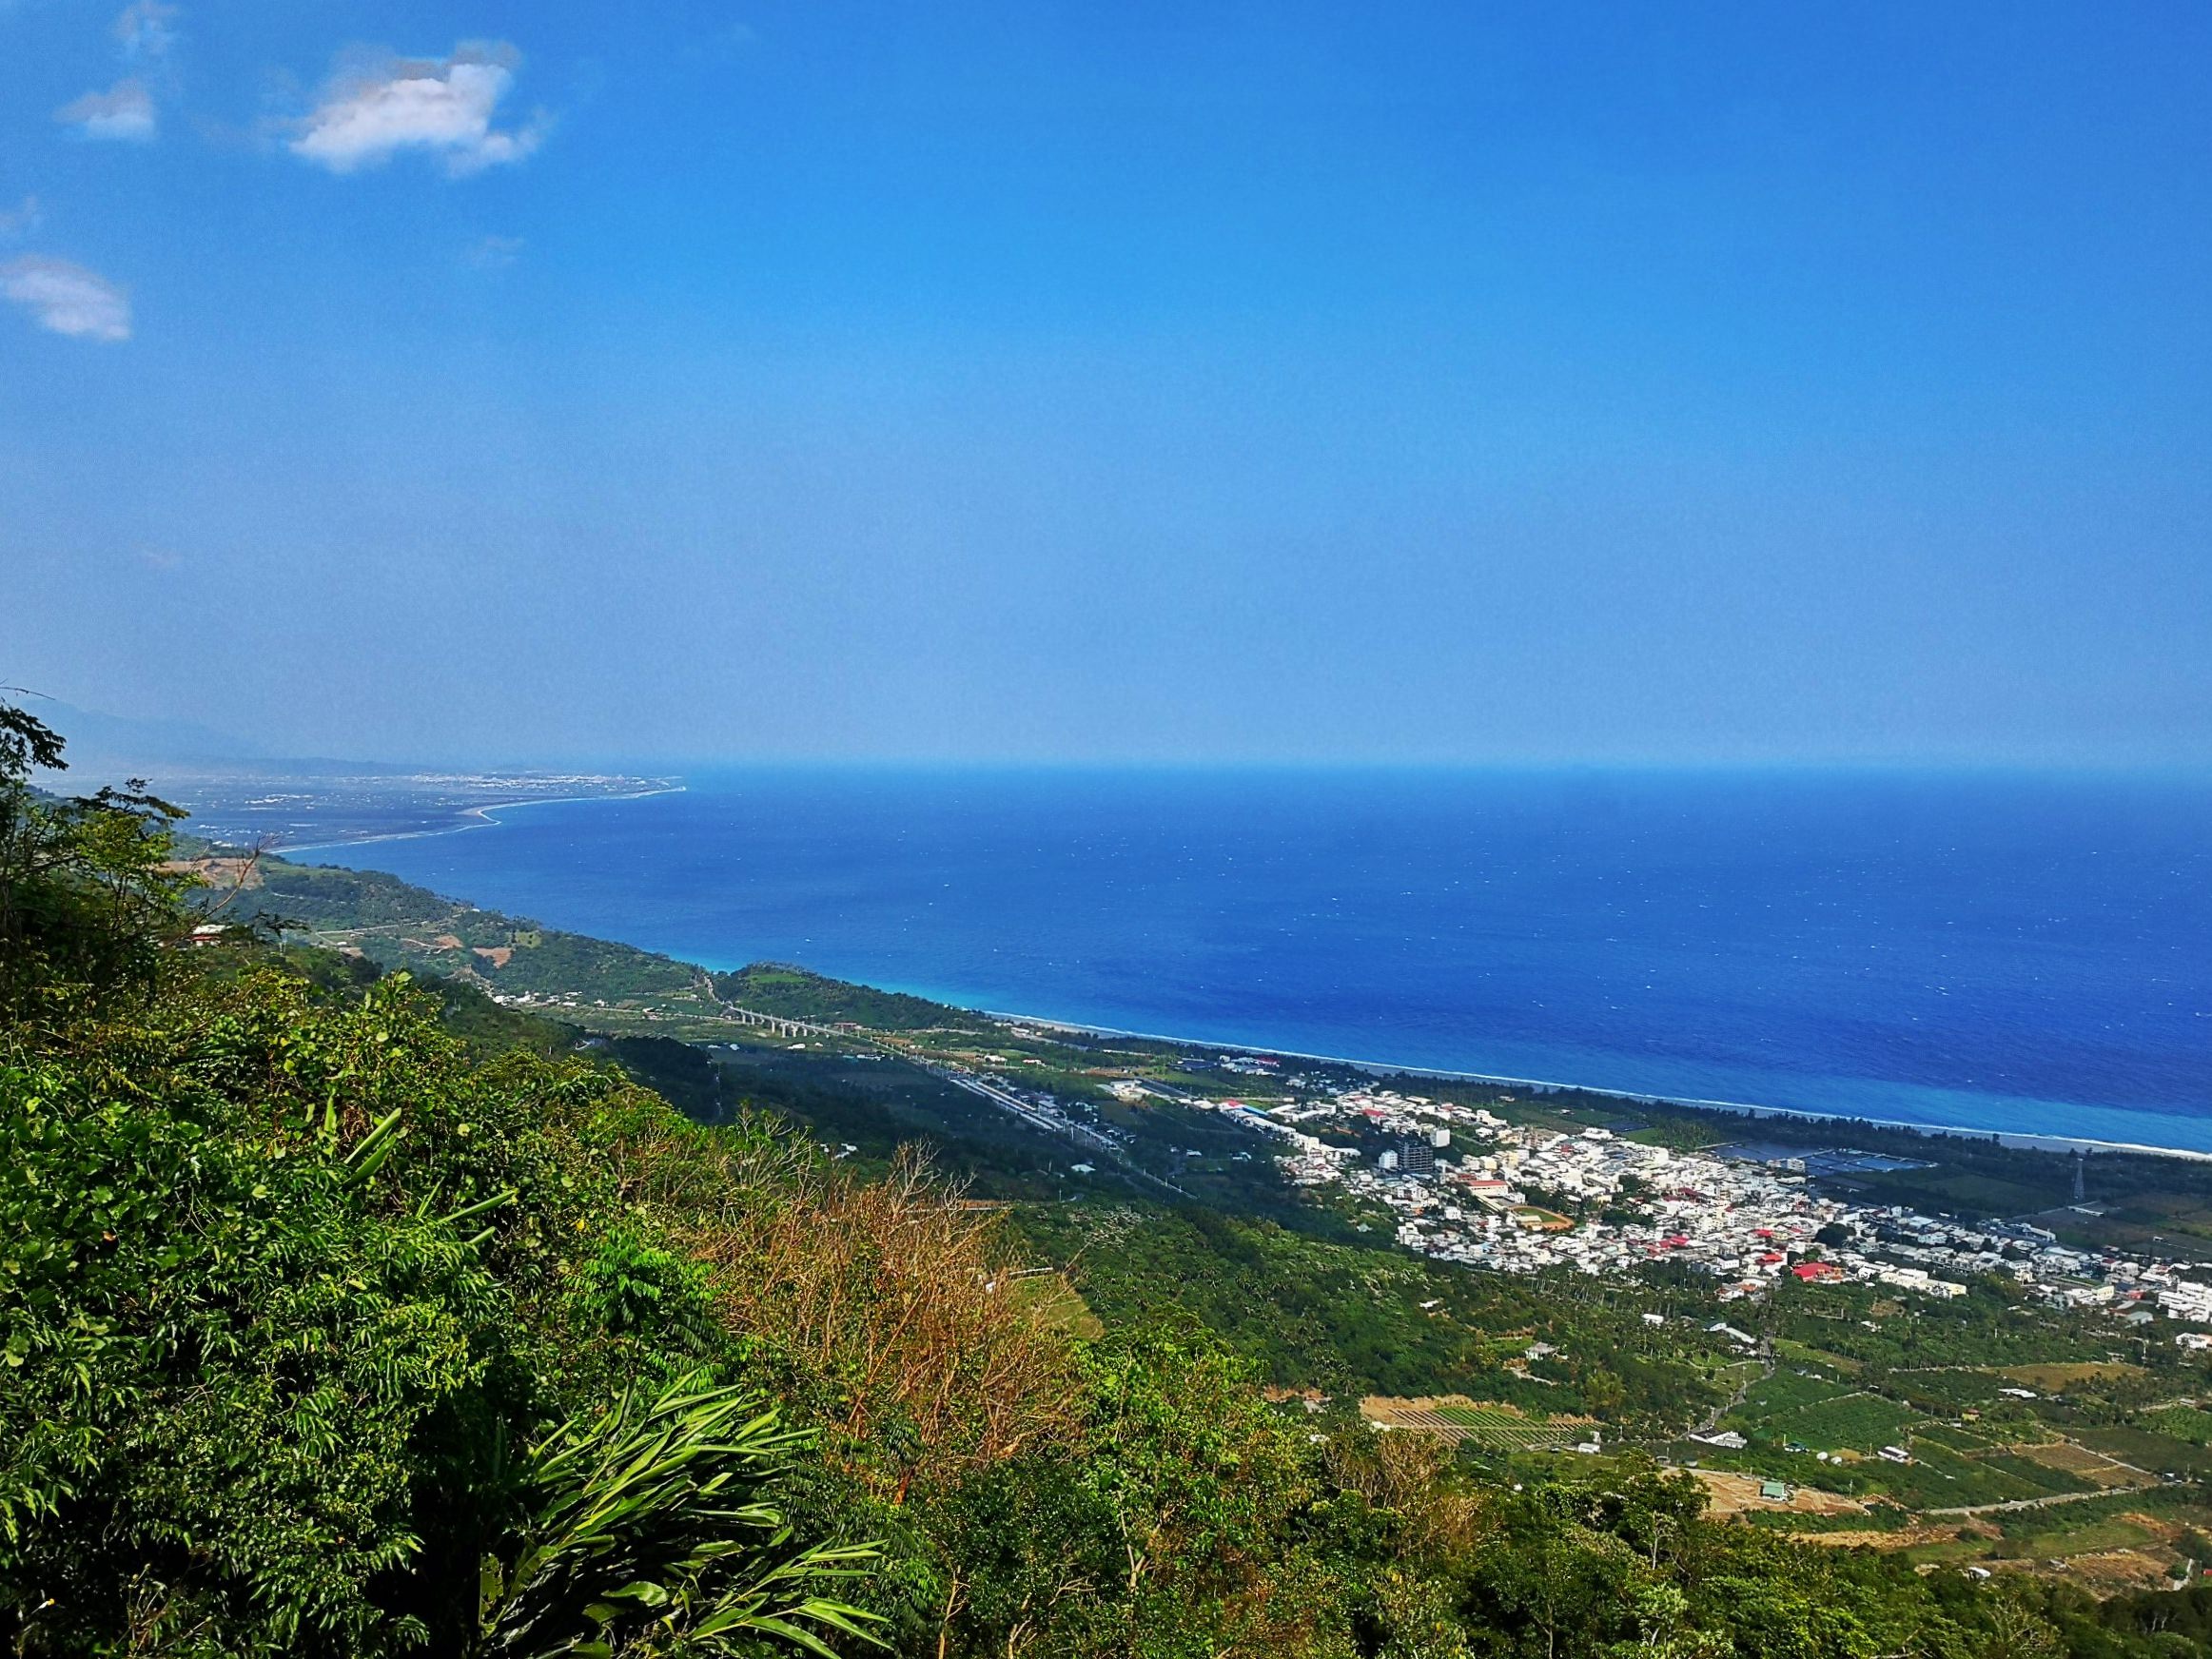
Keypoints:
pixel 1056 1302
pixel 2086 1539
pixel 1792 1352
pixel 1946 1549
pixel 2059 1374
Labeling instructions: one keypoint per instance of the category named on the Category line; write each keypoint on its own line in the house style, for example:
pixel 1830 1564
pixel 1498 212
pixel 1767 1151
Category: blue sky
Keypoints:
pixel 1103 382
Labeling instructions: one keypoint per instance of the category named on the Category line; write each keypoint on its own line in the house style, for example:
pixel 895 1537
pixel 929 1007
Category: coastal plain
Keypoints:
pixel 1937 1346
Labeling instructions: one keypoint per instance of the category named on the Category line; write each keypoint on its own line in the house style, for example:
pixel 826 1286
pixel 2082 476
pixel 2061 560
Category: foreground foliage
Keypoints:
pixel 302 1327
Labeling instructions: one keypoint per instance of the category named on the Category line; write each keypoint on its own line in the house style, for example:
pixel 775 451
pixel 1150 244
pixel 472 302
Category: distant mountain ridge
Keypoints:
pixel 116 743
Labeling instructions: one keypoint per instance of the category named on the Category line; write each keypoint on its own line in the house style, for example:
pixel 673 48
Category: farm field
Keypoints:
pixel 2010 1456
pixel 1950 1388
pixel 1495 1427
pixel 1789 1390
pixel 2185 1423
pixel 1843 1422
pixel 2131 1541
pixel 2082 1466
pixel 1941 1478
pixel 2159 1453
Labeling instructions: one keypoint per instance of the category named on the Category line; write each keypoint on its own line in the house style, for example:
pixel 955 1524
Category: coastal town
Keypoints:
pixel 1465 1185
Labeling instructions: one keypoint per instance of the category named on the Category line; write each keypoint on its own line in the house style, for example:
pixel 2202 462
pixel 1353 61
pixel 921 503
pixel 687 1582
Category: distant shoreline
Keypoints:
pixel 2019 1140
pixel 486 816
pixel 477 817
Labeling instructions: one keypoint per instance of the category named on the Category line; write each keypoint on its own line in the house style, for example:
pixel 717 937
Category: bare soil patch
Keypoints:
pixel 2109 1571
pixel 1899 1537
pixel 220 872
pixel 1733 1494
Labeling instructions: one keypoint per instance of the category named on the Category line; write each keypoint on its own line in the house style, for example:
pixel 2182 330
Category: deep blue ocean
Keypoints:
pixel 2009 952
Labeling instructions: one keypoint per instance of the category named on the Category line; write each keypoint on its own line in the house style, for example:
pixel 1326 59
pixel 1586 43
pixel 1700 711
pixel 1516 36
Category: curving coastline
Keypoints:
pixel 2024 1139
pixel 483 816
pixel 935 887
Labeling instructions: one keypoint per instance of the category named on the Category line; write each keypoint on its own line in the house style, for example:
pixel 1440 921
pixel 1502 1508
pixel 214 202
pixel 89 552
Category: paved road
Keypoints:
pixel 2038 1503
pixel 960 1078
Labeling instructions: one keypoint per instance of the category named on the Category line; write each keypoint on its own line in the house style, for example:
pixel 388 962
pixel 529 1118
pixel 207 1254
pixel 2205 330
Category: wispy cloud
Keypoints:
pixel 146 29
pixel 22 219
pixel 145 32
pixel 492 253
pixel 67 298
pixel 125 112
pixel 442 107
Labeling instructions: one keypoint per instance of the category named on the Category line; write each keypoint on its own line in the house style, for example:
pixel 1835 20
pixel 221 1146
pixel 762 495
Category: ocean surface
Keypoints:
pixel 2028 954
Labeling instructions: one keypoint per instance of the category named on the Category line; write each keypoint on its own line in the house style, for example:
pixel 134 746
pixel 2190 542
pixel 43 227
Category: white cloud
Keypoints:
pixel 441 107
pixel 123 111
pixel 67 298
pixel 21 221
pixel 146 30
